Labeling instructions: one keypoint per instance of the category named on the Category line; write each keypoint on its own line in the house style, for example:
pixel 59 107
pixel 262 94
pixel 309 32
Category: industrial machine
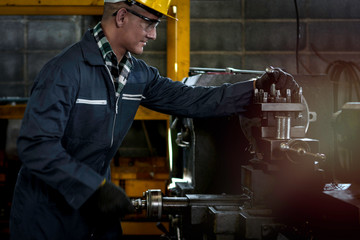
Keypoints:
pixel 256 176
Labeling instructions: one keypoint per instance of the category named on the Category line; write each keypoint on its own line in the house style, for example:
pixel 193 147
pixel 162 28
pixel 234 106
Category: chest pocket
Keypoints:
pixel 130 99
pixel 90 119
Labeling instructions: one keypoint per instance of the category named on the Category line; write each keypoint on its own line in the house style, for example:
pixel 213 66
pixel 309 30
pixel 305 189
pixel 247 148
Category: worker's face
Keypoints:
pixel 140 28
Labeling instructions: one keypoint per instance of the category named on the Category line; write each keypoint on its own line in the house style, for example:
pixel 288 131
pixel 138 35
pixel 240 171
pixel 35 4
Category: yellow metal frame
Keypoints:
pixel 16 111
pixel 12 111
pixel 51 7
pixel 178 40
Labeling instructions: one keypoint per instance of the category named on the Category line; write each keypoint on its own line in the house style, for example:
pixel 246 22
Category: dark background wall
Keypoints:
pixel 246 34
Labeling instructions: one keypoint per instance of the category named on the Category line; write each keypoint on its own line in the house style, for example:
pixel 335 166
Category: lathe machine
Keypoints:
pixel 264 175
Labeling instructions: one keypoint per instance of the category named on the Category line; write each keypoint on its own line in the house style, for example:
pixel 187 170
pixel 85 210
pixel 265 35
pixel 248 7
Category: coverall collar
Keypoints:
pixel 90 50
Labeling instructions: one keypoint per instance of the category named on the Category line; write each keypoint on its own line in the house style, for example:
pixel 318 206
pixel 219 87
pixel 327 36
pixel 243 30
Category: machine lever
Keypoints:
pixel 180 142
pixel 163 229
pixel 301 151
pixel 227 70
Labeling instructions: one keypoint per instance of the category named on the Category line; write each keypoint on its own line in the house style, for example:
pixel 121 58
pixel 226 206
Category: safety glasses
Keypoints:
pixel 151 23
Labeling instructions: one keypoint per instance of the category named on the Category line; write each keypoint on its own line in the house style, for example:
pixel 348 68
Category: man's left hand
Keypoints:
pixel 282 80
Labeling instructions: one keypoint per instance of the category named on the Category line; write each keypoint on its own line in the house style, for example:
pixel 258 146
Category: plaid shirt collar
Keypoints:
pixel 119 71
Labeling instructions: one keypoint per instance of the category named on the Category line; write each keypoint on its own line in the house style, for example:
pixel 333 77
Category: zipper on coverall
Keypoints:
pixel 117 96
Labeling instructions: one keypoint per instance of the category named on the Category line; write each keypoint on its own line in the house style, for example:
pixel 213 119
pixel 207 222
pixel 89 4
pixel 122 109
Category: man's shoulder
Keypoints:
pixel 71 53
pixel 79 51
pixel 67 58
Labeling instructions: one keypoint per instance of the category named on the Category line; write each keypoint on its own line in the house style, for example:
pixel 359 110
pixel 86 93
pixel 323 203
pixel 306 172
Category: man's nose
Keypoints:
pixel 152 34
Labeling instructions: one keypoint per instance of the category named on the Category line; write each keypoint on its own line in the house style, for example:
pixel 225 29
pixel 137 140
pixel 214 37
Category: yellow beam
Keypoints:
pixel 178 40
pixel 51 10
pixel 51 7
pixel 52 2
pixel 17 112
pixel 147 114
pixel 142 228
pixel 12 111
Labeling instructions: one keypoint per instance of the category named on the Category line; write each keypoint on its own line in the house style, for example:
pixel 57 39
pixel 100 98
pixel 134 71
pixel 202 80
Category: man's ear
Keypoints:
pixel 120 17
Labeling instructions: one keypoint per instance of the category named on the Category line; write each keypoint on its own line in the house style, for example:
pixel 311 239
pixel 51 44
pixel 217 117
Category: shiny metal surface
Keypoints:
pixel 283 126
pixel 153 203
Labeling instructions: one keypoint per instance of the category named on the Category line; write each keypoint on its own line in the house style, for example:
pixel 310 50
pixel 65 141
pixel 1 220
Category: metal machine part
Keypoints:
pixel 197 70
pixel 207 171
pixel 280 113
pixel 268 166
pixel 193 216
pixel 283 156
pixel 272 120
pixel 283 126
pixel 157 205
pixel 301 148
pixel 279 123
pixel 286 175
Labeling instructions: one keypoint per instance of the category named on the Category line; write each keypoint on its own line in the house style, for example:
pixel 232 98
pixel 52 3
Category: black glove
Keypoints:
pixel 282 80
pixel 108 203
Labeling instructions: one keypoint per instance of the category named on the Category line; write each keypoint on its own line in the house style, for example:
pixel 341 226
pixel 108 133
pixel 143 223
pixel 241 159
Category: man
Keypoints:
pixel 82 104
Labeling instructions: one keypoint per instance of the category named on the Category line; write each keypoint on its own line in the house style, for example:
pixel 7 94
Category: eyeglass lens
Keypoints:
pixel 151 23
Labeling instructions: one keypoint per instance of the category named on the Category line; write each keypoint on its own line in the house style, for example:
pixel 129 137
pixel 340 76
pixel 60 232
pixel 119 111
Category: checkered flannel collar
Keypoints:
pixel 119 71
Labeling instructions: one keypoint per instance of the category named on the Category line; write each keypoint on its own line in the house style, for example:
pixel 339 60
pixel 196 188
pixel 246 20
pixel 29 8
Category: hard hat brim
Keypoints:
pixel 163 13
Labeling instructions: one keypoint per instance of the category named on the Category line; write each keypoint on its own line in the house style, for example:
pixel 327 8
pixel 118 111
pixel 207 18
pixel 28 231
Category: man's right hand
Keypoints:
pixel 109 202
